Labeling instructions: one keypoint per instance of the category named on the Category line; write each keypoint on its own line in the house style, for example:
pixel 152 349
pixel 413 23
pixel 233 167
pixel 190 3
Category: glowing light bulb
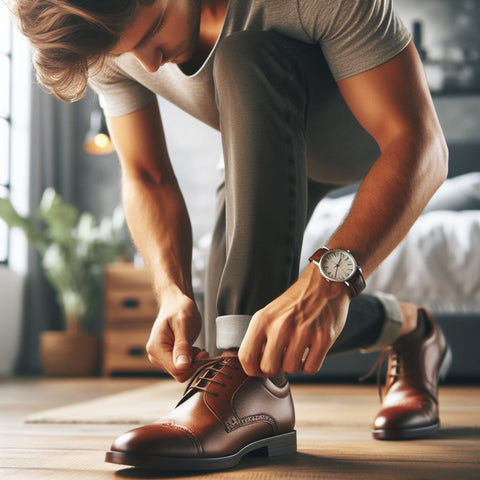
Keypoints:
pixel 101 140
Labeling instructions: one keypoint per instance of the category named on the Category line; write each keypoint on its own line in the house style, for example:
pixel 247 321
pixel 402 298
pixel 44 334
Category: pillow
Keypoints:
pixel 457 193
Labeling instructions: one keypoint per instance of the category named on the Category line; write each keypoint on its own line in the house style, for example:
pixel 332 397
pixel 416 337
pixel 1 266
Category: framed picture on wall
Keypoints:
pixel 447 36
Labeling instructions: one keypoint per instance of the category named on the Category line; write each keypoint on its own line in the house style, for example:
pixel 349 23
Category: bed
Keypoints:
pixel 437 264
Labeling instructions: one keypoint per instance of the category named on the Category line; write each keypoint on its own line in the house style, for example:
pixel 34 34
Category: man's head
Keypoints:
pixel 72 37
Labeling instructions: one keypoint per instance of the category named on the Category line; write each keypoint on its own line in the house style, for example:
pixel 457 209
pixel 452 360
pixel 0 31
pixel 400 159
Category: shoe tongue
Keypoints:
pixel 278 380
pixel 230 357
pixel 421 332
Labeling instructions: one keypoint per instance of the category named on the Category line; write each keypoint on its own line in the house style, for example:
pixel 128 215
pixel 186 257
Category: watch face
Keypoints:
pixel 337 265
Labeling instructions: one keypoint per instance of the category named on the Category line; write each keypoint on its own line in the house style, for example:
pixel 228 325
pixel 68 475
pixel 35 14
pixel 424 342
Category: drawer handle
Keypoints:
pixel 136 351
pixel 130 303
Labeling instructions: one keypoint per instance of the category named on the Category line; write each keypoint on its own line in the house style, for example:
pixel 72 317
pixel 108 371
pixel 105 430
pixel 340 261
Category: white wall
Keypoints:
pixel 11 301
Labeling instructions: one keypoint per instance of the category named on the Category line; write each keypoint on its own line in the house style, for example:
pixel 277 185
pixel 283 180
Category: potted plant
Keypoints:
pixel 73 248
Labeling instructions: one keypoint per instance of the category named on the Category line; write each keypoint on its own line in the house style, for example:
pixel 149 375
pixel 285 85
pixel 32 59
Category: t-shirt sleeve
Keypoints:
pixel 118 93
pixel 355 35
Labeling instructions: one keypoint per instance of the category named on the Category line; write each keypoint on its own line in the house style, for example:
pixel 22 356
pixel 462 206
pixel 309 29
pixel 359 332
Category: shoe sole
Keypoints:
pixel 419 432
pixel 406 434
pixel 274 446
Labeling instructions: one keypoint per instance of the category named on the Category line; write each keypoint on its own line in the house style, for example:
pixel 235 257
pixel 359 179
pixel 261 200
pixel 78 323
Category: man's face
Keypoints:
pixel 166 31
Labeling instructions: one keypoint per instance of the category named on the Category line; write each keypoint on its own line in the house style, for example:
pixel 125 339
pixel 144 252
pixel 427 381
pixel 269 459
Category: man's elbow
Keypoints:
pixel 437 156
pixel 139 184
pixel 428 151
pixel 148 177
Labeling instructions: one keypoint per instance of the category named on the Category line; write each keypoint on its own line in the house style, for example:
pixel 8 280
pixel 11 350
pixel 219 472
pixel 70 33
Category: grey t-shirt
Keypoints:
pixel 354 35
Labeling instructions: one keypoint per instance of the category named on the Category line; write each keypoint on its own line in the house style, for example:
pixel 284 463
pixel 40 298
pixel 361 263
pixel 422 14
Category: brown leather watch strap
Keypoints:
pixel 356 282
pixel 318 254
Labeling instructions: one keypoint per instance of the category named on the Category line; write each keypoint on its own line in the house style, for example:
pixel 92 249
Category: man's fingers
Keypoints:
pixel 294 355
pixel 182 354
pixel 272 357
pixel 159 348
pixel 171 351
pixel 199 354
pixel 179 374
pixel 314 359
pixel 250 351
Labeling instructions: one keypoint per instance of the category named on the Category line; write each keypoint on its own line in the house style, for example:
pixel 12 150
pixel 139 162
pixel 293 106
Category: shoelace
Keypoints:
pixel 204 374
pixel 396 369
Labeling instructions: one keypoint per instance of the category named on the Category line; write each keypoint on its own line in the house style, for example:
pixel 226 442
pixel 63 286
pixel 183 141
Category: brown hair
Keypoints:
pixel 72 37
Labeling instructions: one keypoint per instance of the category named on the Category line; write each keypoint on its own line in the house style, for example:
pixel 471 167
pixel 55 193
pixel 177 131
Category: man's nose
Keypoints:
pixel 150 57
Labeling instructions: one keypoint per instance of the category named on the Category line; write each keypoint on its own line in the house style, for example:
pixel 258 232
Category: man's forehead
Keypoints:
pixel 134 34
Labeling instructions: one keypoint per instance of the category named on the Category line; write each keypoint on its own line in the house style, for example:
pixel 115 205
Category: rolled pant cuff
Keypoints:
pixel 231 329
pixel 392 324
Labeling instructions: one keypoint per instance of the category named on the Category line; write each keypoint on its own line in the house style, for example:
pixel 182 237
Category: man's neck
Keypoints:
pixel 213 17
pixel 211 23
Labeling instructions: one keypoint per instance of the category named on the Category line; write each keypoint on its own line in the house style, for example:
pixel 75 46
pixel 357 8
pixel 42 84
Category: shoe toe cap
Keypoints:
pixel 398 418
pixel 157 439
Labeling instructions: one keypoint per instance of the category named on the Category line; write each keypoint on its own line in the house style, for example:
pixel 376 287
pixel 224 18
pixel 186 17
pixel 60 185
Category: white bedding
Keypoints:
pixel 436 265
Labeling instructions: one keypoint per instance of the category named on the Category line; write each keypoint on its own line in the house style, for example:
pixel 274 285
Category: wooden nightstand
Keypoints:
pixel 130 308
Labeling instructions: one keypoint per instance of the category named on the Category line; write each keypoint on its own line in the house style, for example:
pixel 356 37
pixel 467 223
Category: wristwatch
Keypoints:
pixel 338 265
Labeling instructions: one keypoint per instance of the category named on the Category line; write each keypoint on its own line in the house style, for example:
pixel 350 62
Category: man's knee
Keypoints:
pixel 238 53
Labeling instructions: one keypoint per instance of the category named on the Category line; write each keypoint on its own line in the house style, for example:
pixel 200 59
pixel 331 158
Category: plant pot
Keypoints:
pixel 69 354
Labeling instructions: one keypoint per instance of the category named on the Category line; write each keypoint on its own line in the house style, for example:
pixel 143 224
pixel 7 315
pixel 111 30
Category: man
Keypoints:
pixel 308 95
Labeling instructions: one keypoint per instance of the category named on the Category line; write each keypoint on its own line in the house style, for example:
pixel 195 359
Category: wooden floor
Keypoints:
pixel 333 425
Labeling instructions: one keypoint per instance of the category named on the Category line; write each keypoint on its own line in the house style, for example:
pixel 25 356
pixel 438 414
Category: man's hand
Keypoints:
pixel 295 331
pixel 177 326
pixel 158 220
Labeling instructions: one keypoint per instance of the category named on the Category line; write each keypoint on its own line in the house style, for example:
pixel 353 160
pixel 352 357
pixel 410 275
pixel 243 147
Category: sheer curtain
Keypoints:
pixel 55 133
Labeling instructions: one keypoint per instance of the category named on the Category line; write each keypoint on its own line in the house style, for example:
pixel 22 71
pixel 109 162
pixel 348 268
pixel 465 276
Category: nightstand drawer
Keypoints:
pixel 124 350
pixel 127 305
pixel 125 276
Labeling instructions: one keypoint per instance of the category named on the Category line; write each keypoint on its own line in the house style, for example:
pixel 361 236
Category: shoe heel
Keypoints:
pixel 445 365
pixel 283 444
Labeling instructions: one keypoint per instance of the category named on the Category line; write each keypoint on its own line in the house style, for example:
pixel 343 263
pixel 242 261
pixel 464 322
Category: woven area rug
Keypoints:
pixel 139 406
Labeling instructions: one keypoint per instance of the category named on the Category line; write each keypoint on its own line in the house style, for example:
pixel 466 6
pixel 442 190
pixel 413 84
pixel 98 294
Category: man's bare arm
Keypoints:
pixel 159 223
pixel 394 105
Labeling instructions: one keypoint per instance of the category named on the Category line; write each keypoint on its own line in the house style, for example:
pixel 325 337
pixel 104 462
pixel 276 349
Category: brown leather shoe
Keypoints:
pixel 410 404
pixel 223 415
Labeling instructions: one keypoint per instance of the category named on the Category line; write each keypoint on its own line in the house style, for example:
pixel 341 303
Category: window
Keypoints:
pixel 5 119
pixel 15 106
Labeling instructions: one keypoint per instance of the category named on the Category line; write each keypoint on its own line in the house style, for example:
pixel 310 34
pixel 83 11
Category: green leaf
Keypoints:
pixel 73 247
pixel 13 219
pixel 59 216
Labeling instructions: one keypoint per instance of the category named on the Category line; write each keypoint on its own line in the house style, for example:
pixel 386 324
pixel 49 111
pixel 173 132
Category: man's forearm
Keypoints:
pixel 160 226
pixel 391 198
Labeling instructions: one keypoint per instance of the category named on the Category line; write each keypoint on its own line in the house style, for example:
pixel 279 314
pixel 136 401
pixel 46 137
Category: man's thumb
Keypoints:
pixel 182 354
